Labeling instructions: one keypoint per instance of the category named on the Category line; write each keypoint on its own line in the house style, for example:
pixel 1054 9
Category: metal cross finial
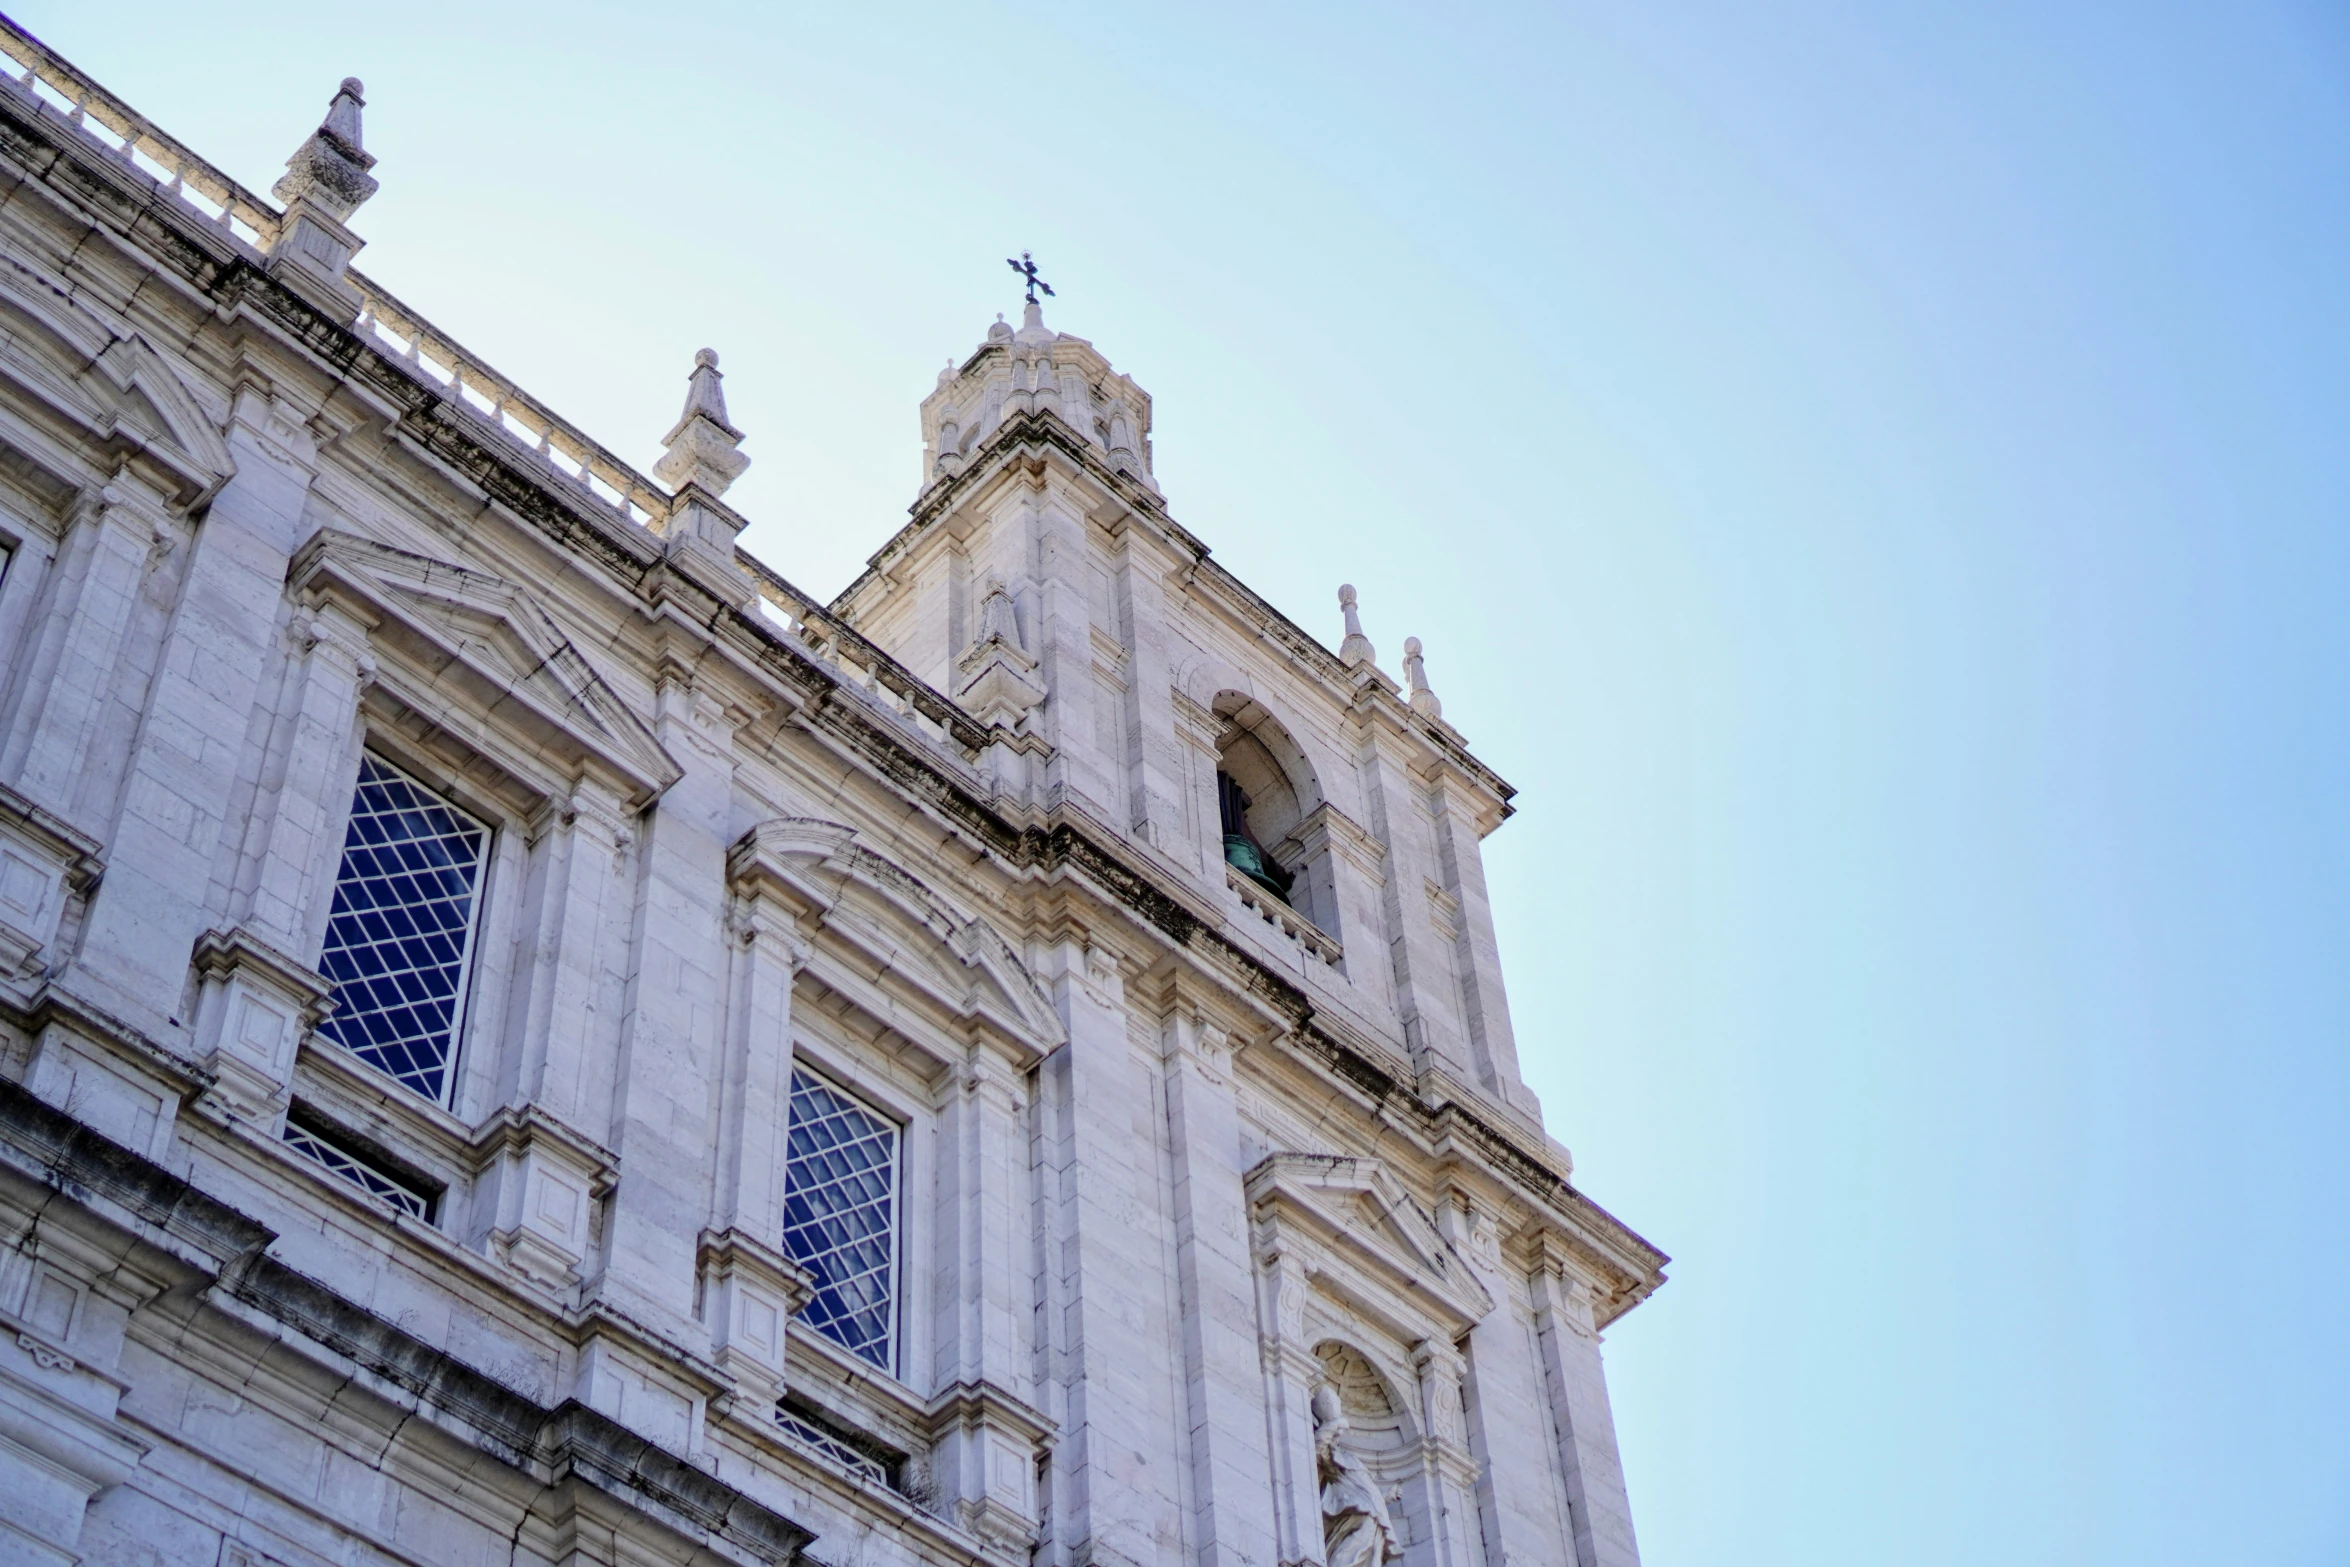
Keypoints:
pixel 1026 267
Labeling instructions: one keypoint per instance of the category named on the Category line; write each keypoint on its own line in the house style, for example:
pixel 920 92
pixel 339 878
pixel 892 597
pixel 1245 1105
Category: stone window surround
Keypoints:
pixel 914 1007
pixel 511 783
pixel 462 1140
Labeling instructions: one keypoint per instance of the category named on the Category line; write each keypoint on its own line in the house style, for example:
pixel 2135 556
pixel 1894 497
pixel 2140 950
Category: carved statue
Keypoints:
pixel 1356 1530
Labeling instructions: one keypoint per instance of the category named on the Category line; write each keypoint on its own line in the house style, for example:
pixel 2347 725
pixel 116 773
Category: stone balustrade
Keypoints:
pixel 866 668
pixel 1284 919
pixel 472 387
pixel 63 93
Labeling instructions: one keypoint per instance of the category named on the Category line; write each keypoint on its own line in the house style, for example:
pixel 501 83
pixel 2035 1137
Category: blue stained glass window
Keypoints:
pixel 840 1216
pixel 401 929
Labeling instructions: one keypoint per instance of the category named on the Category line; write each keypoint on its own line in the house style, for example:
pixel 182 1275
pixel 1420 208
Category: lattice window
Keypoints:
pixel 840 1216
pixel 359 1170
pixel 400 934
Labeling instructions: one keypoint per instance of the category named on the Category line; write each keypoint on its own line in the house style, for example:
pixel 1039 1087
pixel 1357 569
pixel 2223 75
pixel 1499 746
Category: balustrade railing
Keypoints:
pixel 474 388
pixel 65 94
pixel 882 679
pixel 1274 912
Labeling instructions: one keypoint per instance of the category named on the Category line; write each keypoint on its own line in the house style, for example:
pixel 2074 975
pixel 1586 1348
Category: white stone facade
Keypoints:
pixel 524 1039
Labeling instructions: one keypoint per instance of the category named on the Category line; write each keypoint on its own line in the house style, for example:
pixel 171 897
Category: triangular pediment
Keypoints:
pixel 921 948
pixel 110 387
pixel 494 639
pixel 1362 1216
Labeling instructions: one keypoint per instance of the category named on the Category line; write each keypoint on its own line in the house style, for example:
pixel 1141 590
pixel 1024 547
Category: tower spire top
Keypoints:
pixel 1026 267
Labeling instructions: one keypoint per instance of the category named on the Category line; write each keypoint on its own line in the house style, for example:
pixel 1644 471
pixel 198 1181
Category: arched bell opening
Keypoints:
pixel 1266 793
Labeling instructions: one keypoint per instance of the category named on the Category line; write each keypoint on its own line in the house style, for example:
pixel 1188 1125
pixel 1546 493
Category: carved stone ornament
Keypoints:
pixel 1356 1528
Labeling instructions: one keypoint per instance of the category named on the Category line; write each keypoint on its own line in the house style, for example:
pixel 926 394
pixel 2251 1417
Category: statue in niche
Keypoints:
pixel 1356 1529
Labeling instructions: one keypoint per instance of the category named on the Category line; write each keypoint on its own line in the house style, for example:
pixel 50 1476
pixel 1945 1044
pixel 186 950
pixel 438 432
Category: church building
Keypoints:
pixel 526 1039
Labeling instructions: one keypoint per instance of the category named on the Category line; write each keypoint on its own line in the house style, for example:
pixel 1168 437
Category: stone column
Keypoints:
pixel 1195 731
pixel 1493 1046
pixel 1231 1494
pixel 303 804
pixel 190 751
pixel 1345 866
pixel 1090 754
pixel 1451 1470
pixel 672 1050
pixel 1598 1511
pixel 1427 994
pixel 1153 761
pixel 558 1061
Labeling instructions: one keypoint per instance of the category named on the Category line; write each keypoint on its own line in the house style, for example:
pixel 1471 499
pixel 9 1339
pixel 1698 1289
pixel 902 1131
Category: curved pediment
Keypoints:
pixel 906 938
pixel 1375 1242
pixel 105 390
pixel 465 630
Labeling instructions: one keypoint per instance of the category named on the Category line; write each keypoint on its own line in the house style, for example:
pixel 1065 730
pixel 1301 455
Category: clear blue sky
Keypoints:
pixel 1874 476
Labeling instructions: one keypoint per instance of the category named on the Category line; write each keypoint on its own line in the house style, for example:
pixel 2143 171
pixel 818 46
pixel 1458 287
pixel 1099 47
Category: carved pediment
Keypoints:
pixel 891 936
pixel 482 638
pixel 1365 1237
pixel 107 391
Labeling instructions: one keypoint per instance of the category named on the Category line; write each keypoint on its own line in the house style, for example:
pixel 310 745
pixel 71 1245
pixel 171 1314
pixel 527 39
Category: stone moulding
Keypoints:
pixel 521 668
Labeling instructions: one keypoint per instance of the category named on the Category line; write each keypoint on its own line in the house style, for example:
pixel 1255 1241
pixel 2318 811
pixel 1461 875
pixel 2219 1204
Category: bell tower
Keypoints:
pixel 1323 810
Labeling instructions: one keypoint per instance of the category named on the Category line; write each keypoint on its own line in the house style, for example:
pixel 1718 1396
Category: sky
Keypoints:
pixel 1874 477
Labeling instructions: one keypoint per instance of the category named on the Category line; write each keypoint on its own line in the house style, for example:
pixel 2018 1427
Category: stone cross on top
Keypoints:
pixel 1026 267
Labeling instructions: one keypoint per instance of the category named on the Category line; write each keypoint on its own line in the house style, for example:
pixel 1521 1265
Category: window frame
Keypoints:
pixel 468 964
pixel 851 1087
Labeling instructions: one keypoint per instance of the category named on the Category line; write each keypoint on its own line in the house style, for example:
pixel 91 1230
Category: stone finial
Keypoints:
pixel 701 449
pixel 325 181
pixel 1415 675
pixel 999 683
pixel 330 169
pixel 1356 649
pixel 1001 332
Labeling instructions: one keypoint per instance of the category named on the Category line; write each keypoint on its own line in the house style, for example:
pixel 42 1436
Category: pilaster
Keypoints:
pixel 749 1286
pixel 1286 1359
pixel 1232 1505
pixel 1492 1043
pixel 1517 1493
pixel 190 748
pixel 71 677
pixel 560 1056
pixel 1427 991
pixel 672 1049
pixel 303 803
pixel 1116 1493
pixel 1153 762
pixel 1599 1512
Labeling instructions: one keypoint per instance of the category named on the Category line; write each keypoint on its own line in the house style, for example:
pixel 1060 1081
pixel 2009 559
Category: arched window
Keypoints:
pixel 1265 793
